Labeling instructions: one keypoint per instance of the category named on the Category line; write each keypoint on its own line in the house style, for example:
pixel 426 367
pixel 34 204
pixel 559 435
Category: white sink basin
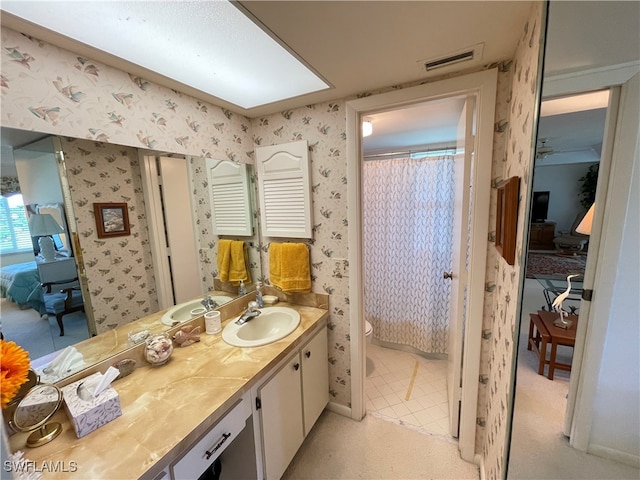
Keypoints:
pixel 188 310
pixel 274 323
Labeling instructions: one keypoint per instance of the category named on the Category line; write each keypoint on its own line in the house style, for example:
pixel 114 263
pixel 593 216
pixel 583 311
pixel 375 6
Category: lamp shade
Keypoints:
pixel 42 224
pixel 367 128
pixel 585 224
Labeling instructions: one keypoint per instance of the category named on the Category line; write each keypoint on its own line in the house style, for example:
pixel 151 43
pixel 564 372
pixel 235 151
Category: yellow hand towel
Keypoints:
pixel 224 259
pixel 233 262
pixel 239 264
pixel 289 267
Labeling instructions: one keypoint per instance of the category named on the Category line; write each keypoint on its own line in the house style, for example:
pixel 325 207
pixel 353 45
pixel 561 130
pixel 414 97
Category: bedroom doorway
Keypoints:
pixel 571 174
pixel 29 165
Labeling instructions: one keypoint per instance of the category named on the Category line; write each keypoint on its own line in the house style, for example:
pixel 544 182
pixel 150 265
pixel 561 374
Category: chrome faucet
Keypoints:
pixel 209 303
pixel 251 313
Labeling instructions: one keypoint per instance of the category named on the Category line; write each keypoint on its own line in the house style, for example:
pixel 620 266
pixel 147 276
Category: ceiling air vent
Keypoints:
pixel 467 54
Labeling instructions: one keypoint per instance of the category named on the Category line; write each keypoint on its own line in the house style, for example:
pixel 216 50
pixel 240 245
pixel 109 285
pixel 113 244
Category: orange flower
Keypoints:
pixel 14 370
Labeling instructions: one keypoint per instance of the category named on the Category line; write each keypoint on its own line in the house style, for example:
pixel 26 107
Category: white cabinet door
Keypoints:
pixel 284 187
pixel 315 378
pixel 281 418
pixel 229 195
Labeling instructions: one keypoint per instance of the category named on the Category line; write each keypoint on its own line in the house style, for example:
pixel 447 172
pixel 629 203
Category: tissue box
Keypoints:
pixel 88 415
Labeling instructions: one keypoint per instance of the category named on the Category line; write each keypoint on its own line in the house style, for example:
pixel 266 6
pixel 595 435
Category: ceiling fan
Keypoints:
pixel 543 150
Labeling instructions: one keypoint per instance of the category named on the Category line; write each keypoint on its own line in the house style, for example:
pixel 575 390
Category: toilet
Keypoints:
pixel 368 331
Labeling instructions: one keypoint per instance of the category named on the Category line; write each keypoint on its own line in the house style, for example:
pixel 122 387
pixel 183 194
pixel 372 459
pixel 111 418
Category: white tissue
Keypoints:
pixel 97 383
pixel 109 376
pixel 67 362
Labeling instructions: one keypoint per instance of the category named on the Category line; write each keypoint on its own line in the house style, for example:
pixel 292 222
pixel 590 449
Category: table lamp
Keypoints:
pixel 587 222
pixel 43 225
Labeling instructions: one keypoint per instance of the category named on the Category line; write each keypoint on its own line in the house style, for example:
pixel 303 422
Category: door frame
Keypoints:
pixel 621 144
pixel 483 85
pixel 582 386
pixel 155 221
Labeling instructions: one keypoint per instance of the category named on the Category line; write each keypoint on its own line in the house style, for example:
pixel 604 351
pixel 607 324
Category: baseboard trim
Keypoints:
pixel 339 409
pixel 615 455
pixel 479 460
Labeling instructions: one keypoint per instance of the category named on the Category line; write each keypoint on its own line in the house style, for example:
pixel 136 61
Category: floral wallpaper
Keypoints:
pixel 207 240
pixel 323 126
pixel 48 89
pixel 503 98
pixel 119 270
pixel 516 130
pixel 51 90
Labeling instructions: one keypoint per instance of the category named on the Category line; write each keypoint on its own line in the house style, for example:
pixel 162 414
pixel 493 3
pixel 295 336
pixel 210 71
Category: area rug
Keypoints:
pixel 552 264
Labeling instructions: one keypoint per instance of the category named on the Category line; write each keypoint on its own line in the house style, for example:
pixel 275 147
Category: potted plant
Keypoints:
pixel 588 186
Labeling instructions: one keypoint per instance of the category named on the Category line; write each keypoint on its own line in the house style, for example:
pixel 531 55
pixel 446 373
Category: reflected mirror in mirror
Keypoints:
pixel 121 279
pixel 589 47
pixel 34 411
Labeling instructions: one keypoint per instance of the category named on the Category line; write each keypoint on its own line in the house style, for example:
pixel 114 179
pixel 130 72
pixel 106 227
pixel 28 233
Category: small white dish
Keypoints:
pixel 270 299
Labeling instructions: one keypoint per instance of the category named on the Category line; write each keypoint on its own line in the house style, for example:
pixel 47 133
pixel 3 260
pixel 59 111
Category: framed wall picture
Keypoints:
pixel 507 218
pixel 112 219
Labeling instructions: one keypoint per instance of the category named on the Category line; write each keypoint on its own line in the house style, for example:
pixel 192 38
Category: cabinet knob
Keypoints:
pixel 296 366
pixel 308 354
pixel 448 275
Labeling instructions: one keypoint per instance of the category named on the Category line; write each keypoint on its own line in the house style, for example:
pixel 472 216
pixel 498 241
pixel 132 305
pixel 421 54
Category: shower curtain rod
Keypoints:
pixel 375 156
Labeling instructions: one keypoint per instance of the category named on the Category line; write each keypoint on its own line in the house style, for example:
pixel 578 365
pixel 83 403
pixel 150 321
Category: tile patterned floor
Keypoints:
pixel 407 387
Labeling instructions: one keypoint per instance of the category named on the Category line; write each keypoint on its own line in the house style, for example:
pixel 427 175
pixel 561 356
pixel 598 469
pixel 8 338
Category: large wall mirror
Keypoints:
pixel 122 278
pixel 590 47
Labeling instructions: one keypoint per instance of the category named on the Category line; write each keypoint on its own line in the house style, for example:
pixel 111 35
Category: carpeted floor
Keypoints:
pixel 553 264
pixel 40 336
pixel 539 450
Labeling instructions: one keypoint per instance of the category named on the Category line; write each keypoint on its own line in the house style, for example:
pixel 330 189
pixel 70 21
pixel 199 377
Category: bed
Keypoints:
pixel 20 283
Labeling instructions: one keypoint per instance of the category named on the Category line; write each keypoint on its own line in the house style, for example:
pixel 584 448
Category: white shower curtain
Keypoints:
pixel 408 228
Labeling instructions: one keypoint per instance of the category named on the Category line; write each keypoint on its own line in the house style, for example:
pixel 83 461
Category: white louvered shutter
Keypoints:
pixel 285 190
pixel 230 200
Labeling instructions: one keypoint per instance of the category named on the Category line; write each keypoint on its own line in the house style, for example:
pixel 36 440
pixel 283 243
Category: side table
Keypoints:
pixel 543 332
pixel 538 340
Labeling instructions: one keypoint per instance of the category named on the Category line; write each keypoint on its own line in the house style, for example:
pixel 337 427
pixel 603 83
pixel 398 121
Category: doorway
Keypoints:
pixel 37 195
pixel 481 85
pixel 564 184
pixel 591 356
pixel 408 215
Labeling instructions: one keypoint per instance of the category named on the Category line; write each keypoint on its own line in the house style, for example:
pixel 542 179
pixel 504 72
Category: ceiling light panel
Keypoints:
pixel 208 45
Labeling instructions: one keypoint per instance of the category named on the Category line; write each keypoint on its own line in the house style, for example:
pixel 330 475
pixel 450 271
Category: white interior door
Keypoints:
pixel 458 276
pixel 181 239
pixel 172 234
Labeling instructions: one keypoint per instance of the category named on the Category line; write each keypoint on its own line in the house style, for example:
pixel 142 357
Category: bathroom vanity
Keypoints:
pixel 249 409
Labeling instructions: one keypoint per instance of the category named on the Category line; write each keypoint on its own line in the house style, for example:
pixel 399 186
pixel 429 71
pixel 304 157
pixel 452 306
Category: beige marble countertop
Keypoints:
pixel 166 408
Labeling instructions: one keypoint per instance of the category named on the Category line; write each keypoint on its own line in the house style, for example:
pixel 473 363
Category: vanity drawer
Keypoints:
pixel 208 448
